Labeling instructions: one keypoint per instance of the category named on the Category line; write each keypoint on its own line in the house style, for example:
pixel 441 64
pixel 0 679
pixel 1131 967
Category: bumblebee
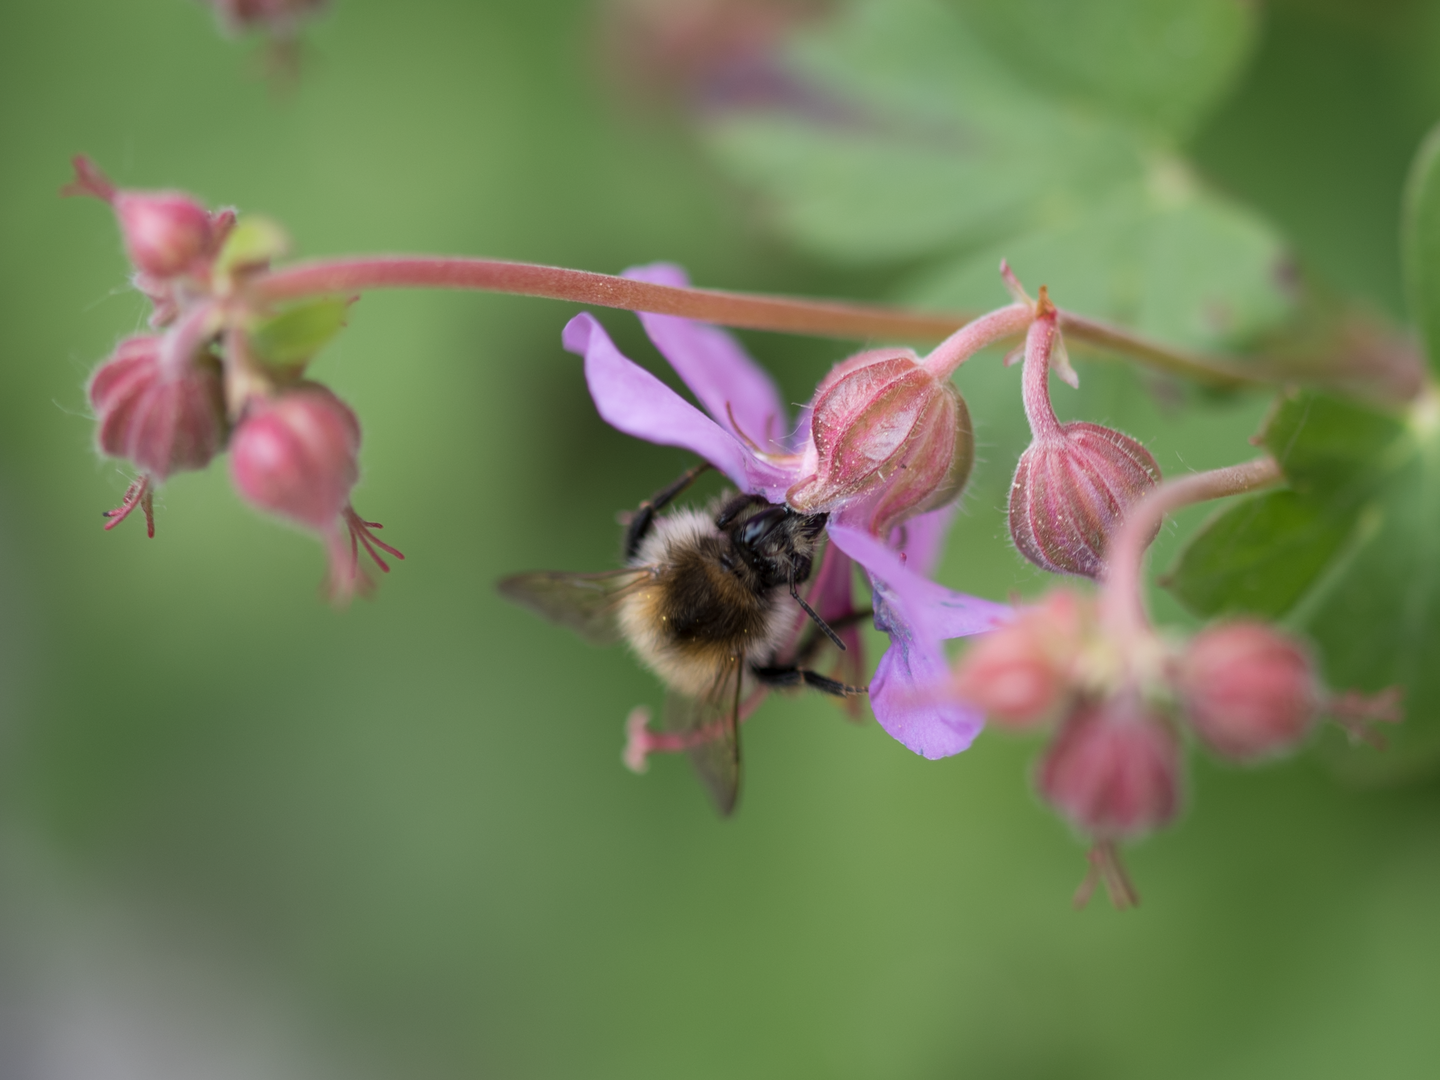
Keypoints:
pixel 705 602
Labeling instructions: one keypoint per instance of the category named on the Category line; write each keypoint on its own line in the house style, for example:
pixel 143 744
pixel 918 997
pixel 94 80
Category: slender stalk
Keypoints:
pixel 1122 605
pixel 1214 370
pixel 823 318
pixel 784 314
pixel 1035 378
pixel 1007 322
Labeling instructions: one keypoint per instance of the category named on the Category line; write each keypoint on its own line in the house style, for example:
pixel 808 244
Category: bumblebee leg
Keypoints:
pixel 643 519
pixel 812 641
pixel 790 675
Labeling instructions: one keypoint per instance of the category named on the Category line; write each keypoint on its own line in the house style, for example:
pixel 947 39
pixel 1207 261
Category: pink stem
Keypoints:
pixel 1215 370
pixel 826 318
pixel 974 336
pixel 1035 378
pixel 183 340
pixel 1122 604
pixel 783 314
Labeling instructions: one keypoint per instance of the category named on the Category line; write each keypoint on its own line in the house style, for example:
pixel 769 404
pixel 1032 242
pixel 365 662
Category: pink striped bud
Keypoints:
pixel 887 436
pixel 1022 673
pixel 1075 481
pixel 1071 489
pixel 164 418
pixel 1113 770
pixel 1249 691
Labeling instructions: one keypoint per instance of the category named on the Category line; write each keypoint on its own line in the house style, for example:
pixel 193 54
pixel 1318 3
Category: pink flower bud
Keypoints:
pixel 295 455
pixel 166 233
pixel 1249 691
pixel 164 418
pixel 1076 480
pixel 1021 673
pixel 1070 491
pixel 1113 770
pixel 887 435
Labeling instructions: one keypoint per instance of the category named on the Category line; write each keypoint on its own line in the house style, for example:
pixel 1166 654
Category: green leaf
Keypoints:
pixel 1332 449
pixel 910 137
pixel 1420 243
pixel 1258 556
pixel 1373 605
pixel 291 338
pixel 253 241
pixel 1163 64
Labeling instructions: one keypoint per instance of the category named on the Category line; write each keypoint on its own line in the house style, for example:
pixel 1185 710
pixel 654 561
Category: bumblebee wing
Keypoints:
pixel 586 603
pixel 713 721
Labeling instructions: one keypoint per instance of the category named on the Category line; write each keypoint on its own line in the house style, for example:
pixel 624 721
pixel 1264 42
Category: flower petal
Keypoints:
pixel 907 692
pixel 921 540
pixel 631 399
pixel 948 614
pixel 716 369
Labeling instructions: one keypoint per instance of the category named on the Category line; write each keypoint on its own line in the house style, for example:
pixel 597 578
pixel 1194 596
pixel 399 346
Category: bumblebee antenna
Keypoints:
pixel 821 623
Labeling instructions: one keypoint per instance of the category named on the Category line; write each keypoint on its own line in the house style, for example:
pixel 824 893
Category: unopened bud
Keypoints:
pixel 1071 489
pixel 164 418
pixel 296 455
pixel 1113 770
pixel 888 436
pixel 1021 673
pixel 166 232
pixel 1249 691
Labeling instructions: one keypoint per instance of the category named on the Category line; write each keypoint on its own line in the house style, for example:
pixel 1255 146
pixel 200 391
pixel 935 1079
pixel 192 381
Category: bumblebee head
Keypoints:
pixel 777 543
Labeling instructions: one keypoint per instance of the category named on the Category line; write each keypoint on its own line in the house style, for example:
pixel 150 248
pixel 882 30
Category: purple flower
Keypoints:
pixel 748 437
pixel 907 692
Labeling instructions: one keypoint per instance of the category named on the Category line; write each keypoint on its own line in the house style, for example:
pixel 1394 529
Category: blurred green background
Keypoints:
pixel 244 835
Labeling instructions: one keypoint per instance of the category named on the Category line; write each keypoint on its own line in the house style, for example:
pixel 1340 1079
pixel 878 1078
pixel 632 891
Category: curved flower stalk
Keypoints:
pixel 747 435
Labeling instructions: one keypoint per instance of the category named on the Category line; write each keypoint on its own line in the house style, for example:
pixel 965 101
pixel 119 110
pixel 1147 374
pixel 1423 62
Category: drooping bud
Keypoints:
pixel 163 414
pixel 887 437
pixel 296 455
pixel 1249 691
pixel 163 417
pixel 1075 481
pixel 166 233
pixel 1070 492
pixel 1022 673
pixel 1113 770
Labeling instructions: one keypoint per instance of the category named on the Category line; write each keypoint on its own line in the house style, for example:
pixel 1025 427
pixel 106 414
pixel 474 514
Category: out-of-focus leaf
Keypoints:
pixel 1259 556
pixel 910 137
pixel 1420 243
pixel 1331 449
pixel 1373 606
pixel 292 337
pixel 1165 257
pixel 254 241
pixel 1160 63
pixel 904 135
